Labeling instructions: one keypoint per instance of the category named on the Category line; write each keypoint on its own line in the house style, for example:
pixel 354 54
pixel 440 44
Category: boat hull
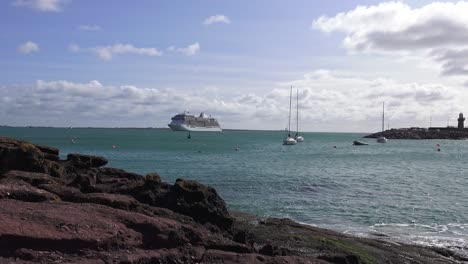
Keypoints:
pixel 299 138
pixel 381 140
pixel 359 143
pixel 183 127
pixel 289 141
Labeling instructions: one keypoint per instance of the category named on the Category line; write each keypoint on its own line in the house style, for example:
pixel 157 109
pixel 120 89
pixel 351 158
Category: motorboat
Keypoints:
pixel 382 139
pixel 359 143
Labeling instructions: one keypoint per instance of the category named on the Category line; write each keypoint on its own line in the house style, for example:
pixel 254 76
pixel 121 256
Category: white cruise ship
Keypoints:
pixel 187 122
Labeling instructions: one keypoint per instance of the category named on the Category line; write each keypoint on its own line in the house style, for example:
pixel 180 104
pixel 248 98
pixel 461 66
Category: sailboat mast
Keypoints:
pixel 297 111
pixel 383 116
pixel 290 99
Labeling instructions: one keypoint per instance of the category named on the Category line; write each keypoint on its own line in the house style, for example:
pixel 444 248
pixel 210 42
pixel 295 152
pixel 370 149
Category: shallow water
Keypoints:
pixel 404 189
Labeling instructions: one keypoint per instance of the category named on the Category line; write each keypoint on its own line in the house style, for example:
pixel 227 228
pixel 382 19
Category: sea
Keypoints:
pixel 402 191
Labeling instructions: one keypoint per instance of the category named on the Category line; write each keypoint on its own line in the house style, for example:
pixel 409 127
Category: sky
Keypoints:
pixel 138 63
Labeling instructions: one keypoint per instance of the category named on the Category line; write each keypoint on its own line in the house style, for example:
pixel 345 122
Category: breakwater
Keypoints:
pixel 421 134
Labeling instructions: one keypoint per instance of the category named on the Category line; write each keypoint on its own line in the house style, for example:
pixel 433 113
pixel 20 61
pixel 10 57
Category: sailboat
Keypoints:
pixel 289 140
pixel 297 137
pixel 382 139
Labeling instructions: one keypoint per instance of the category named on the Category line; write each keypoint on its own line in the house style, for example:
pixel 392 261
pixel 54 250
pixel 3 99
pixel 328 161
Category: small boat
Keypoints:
pixel 382 139
pixel 359 143
pixel 289 140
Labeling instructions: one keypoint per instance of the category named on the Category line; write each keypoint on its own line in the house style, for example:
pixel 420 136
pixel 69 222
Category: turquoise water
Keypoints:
pixel 404 189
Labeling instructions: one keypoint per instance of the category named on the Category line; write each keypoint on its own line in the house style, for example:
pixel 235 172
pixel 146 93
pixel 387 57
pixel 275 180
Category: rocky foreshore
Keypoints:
pixel 78 211
pixel 421 134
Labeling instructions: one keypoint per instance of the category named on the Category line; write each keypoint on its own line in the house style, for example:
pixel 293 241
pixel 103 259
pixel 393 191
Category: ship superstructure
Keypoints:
pixel 187 122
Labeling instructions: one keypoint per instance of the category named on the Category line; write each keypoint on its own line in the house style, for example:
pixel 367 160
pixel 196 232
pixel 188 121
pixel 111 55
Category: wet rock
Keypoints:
pixel 341 259
pixel 85 180
pixel 86 161
pixel 20 155
pixel 24 156
pixel 198 201
pixel 271 250
pixel 219 256
pixel 152 180
pixel 244 238
pixel 47 149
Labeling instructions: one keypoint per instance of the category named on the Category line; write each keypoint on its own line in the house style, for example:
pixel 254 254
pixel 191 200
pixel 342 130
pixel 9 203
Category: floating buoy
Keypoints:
pixel 113 146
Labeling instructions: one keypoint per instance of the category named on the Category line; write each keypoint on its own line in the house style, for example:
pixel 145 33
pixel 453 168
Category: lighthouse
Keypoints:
pixel 461 121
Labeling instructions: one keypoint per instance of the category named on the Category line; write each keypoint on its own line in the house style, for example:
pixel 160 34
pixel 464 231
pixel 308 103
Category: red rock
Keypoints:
pixel 24 192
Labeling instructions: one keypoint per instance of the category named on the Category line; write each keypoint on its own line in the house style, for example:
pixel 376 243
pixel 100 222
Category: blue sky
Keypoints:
pixel 127 63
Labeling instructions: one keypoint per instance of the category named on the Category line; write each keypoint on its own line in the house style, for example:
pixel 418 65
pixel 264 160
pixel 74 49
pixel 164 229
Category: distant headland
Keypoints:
pixel 449 132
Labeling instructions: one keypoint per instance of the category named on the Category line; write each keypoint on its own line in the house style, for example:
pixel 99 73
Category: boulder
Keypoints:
pixel 24 156
pixel 20 155
pixel 86 161
pixel 198 201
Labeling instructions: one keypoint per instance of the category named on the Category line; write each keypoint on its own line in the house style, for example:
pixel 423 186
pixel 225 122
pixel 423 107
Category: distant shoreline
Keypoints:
pixel 163 128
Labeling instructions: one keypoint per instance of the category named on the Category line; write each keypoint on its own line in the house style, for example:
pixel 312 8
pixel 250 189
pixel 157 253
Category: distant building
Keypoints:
pixel 461 125
pixel 461 121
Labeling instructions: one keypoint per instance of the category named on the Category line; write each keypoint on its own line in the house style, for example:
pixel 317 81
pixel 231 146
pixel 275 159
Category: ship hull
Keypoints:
pixel 183 127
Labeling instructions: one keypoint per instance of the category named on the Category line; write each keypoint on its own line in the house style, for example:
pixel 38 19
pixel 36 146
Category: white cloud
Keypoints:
pixel 108 52
pixel 89 27
pixel 190 50
pixel 217 19
pixel 329 101
pixel 438 31
pixel 28 47
pixel 42 5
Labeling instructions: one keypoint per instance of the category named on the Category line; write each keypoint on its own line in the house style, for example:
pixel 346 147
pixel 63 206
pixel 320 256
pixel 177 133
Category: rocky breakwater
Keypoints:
pixel 77 211
pixel 421 134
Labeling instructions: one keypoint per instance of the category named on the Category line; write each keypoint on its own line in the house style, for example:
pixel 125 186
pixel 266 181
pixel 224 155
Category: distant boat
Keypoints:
pixel 186 122
pixel 289 140
pixel 382 139
pixel 359 143
pixel 297 137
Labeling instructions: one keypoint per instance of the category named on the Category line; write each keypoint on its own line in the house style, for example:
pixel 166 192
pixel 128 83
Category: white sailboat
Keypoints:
pixel 297 137
pixel 382 139
pixel 289 140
